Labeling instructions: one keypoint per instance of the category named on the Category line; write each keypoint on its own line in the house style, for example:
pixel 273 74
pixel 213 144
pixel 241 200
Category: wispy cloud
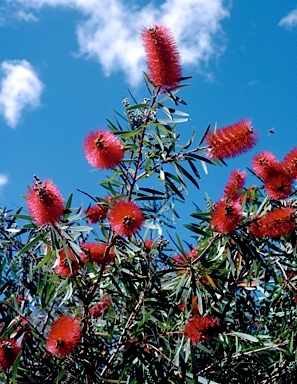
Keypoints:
pixel 3 181
pixel 20 88
pixel 109 31
pixel 290 20
pixel 26 16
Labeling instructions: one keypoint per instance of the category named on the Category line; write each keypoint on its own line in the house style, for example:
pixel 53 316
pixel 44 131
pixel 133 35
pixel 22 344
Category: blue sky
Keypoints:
pixel 65 64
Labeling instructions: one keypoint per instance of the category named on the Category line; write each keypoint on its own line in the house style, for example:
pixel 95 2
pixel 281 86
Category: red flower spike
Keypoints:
pixel 64 336
pixel 265 163
pixel 162 56
pixel 97 309
pixel 94 213
pixel 278 185
pixel 274 224
pixel 96 252
pixel 200 328
pixel 148 245
pixel 231 141
pixel 125 217
pixel 290 163
pixel 45 203
pixel 9 349
pixel 63 268
pixel 235 183
pixel 103 149
pixel 226 216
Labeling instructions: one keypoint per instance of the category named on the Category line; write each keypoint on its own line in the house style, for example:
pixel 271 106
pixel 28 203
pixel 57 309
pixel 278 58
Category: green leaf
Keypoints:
pixel 204 135
pixel 43 261
pixel 81 228
pixel 245 336
pixel 137 106
pixel 152 191
pixel 199 157
pixel 203 380
pixel 173 121
pixel 59 377
pixel 173 187
pixel 15 367
pixel 30 244
pixel 195 228
pixel 157 138
pixel 130 134
pixel 23 217
pixel 188 175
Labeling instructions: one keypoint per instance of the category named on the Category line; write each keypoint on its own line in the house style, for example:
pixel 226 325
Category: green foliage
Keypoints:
pixel 248 284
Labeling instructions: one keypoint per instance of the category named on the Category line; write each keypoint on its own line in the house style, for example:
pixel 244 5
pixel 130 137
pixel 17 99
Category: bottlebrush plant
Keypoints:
pixel 110 293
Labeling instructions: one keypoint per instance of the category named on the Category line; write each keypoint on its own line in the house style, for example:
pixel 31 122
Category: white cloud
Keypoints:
pixel 26 16
pixel 109 31
pixel 290 20
pixel 3 181
pixel 19 88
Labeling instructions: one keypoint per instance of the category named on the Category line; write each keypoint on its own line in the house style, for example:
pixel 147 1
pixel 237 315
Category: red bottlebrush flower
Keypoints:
pixel 148 245
pixel 64 336
pixel 235 183
pixel 226 216
pixel 103 149
pixel 9 349
pixel 274 224
pixel 63 268
pixel 97 309
pixel 96 252
pixel 264 163
pixel 290 162
pixel 94 213
pixel 200 328
pixel 232 140
pixel 162 57
pixel 278 184
pixel 45 203
pixel 125 217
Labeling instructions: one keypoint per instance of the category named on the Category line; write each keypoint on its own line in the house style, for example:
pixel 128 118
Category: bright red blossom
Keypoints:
pixel 290 162
pixel 64 336
pixel 103 149
pixel 226 216
pixel 9 349
pixel 278 184
pixel 125 217
pixel 97 252
pixel 94 213
pixel 97 309
pixel 148 245
pixel 200 328
pixel 274 224
pixel 264 164
pixel 235 183
pixel 45 203
pixel 231 140
pixel 63 268
pixel 162 57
